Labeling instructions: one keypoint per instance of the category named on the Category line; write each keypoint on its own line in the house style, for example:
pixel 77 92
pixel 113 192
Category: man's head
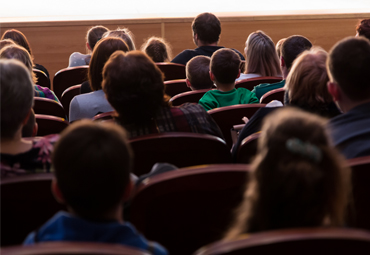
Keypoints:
pixel 224 66
pixel 363 28
pixel 197 73
pixel 92 168
pixel 291 48
pixel 206 28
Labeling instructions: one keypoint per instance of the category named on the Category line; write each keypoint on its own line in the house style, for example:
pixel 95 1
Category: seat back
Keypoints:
pixel 187 208
pixel 105 116
pixel 48 106
pixel 172 71
pixel 68 77
pixel 48 125
pixel 68 95
pixel 178 148
pixel 228 116
pixel 276 94
pixel 250 83
pixel 174 87
pixel 26 204
pixel 188 97
pixel 42 79
pixel 305 241
pixel 248 149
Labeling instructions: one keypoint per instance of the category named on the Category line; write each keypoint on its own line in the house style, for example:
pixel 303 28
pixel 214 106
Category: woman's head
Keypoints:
pixel 298 179
pixel 124 34
pixel 18 37
pixel 134 86
pixel 157 49
pixel 260 55
pixel 102 51
pixel 94 35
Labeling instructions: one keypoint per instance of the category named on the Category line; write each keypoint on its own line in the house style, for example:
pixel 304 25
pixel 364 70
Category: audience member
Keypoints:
pixel 348 65
pixel 206 35
pixel 99 153
pixel 6 42
pixel 124 34
pixel 224 69
pixel 19 155
pixel 197 73
pixel 157 49
pixel 260 57
pixel 297 180
pixel 93 36
pixel 90 104
pixel 363 28
pixel 21 54
pixel 134 86
pixel 290 50
pixel 278 47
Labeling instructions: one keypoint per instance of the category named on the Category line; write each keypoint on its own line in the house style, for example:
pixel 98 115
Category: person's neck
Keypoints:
pixel 200 43
pixel 346 105
pixel 16 144
pixel 225 87
pixel 112 215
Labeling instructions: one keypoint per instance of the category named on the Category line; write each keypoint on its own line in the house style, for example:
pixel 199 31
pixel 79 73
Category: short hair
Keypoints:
pixel 225 65
pixel 133 85
pixel 208 27
pixel 94 35
pixel 92 162
pixel 260 55
pixel 16 96
pixel 124 34
pixel 6 42
pixel 18 52
pixel 278 47
pixel 298 179
pixel 197 72
pixel 349 65
pixel 18 37
pixel 292 47
pixel 157 49
pixel 307 80
pixel 102 51
pixel 363 28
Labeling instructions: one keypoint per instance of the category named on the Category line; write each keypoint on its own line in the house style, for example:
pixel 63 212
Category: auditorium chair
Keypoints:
pixel 188 97
pixel 228 116
pixel 42 79
pixel 174 87
pixel 172 71
pixel 248 149
pixel 68 95
pixel 276 94
pixel 251 82
pixel 188 208
pixel 85 248
pixel 26 204
pixel 48 106
pixel 106 116
pixel 48 124
pixel 68 77
pixel 178 148
pixel 302 241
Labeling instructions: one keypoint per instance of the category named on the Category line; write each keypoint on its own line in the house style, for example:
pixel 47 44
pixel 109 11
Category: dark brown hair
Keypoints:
pixel 157 49
pixel 197 72
pixel 208 27
pixel 292 47
pixel 225 65
pixel 18 37
pixel 94 35
pixel 124 34
pixel 363 28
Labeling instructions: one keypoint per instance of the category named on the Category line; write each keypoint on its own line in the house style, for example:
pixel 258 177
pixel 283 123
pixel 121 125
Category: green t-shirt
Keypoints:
pixel 263 88
pixel 216 98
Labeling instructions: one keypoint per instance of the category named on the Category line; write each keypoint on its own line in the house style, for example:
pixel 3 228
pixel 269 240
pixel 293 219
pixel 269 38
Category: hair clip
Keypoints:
pixel 305 149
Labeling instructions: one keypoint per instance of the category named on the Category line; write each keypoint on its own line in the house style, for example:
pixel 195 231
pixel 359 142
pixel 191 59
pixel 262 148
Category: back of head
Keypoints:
pixel 278 47
pixel 363 28
pixel 134 86
pixel 157 49
pixel 208 27
pixel 92 164
pixel 197 72
pixel 349 65
pixel 124 34
pixel 16 96
pixel 18 37
pixel 225 65
pixel 260 55
pixel 292 47
pixel 6 42
pixel 102 51
pixel 95 34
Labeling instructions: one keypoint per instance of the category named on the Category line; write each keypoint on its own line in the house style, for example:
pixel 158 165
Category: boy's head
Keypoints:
pixel 224 66
pixel 197 73
pixel 92 164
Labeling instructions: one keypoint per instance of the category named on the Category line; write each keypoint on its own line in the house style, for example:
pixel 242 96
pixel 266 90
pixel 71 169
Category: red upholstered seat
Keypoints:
pixel 175 87
pixel 276 94
pixel 250 83
pixel 68 77
pixel 48 106
pixel 248 149
pixel 188 97
pixel 68 95
pixel 48 124
pixel 172 71
pixel 42 78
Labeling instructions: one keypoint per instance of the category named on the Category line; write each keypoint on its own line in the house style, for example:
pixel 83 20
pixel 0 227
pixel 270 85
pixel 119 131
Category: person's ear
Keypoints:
pixel 334 90
pixel 282 62
pixel 212 76
pixel 238 74
pixel 88 46
pixel 56 192
pixel 127 195
pixel 24 122
pixel 35 129
pixel 188 83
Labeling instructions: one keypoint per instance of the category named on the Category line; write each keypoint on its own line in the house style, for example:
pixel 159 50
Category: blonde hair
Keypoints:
pixel 260 55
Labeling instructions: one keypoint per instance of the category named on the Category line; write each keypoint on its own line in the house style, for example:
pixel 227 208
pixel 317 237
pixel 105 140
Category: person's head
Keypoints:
pixel 6 42
pixel 297 178
pixel 124 34
pixel 278 47
pixel 18 37
pixel 224 66
pixel 94 35
pixel 157 49
pixel 197 73
pixel 102 51
pixel 31 127
pixel 21 54
pixel 363 28
pixel 133 85
pixel 348 66
pixel 307 81
pixel 92 162
pixel 291 48
pixel 16 96
pixel 260 55
pixel 206 28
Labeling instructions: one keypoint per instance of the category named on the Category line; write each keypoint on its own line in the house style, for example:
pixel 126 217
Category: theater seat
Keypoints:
pixel 250 83
pixel 188 97
pixel 174 87
pixel 48 106
pixel 42 79
pixel 48 124
pixel 172 71
pixel 68 77
pixel 248 149
pixel 68 95
pixel 276 94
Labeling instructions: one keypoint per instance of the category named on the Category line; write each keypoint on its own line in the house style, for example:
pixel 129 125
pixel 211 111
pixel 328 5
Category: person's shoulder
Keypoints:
pixel 184 56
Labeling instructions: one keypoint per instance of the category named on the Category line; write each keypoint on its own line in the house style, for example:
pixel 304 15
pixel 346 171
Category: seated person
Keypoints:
pixel 157 49
pixel 224 69
pixel 124 34
pixel 19 155
pixel 197 73
pixel 290 49
pixel 363 28
pixel 99 153
pixel 297 179
pixel 133 85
